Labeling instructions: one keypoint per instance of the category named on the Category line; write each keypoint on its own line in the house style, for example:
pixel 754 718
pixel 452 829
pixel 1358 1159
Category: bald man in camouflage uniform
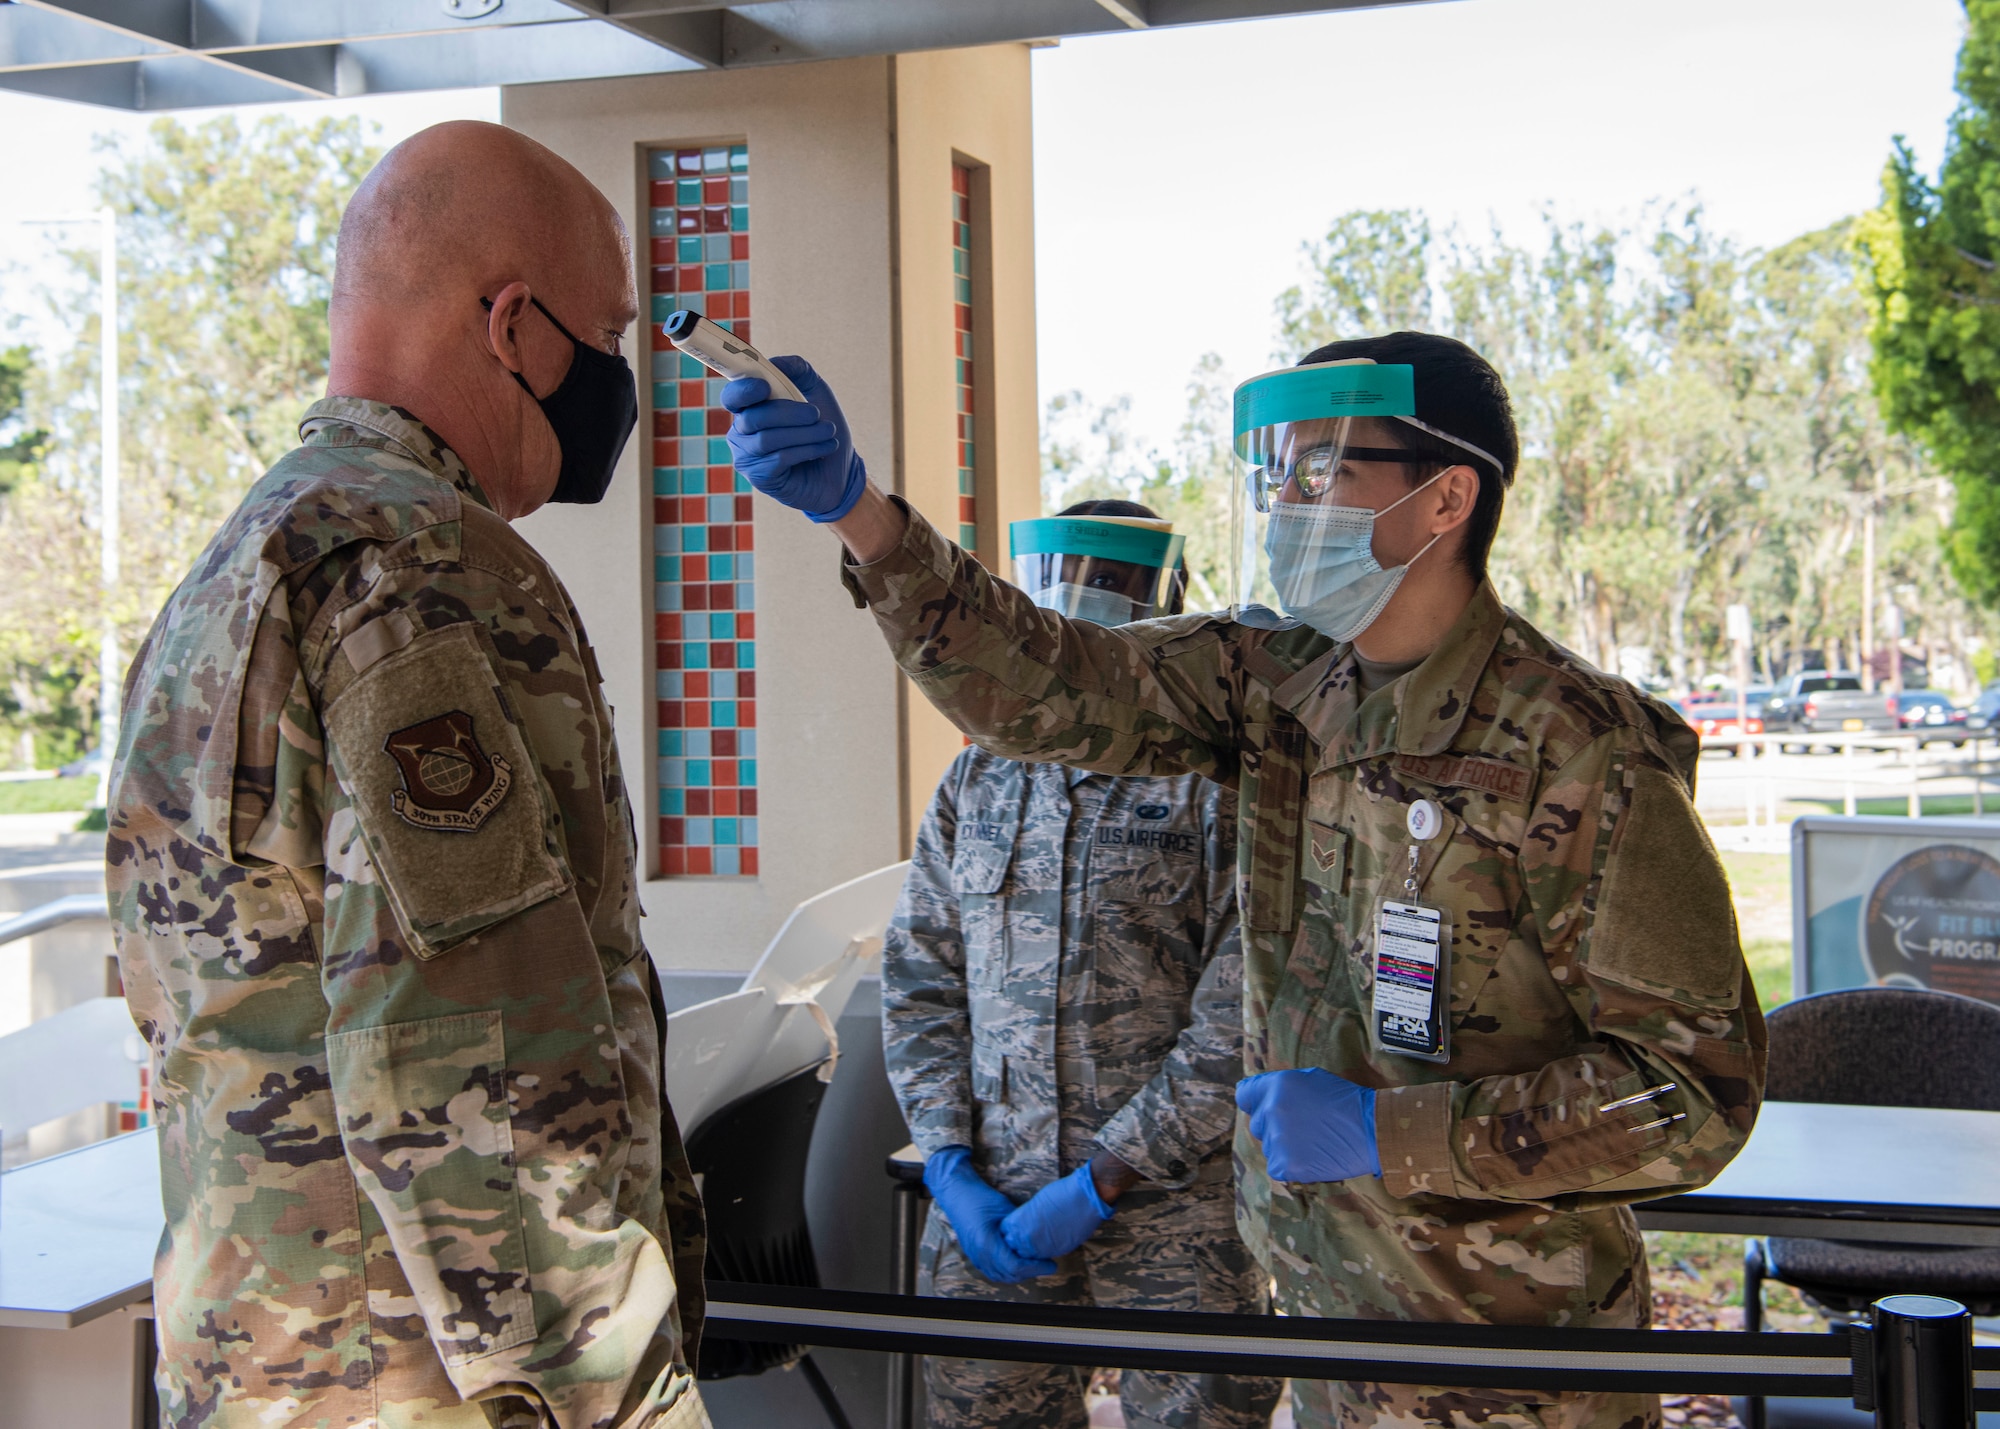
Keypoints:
pixel 1605 1042
pixel 372 864
pixel 1062 981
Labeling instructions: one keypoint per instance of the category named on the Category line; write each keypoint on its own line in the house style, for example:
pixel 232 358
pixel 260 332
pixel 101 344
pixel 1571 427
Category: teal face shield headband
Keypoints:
pixel 1293 425
pixel 1104 569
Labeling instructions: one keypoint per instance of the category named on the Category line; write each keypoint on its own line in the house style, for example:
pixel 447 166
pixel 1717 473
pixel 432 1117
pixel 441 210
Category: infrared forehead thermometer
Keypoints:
pixel 721 351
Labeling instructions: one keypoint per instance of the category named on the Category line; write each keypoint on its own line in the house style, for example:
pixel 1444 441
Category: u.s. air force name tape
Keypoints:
pixel 1393 1352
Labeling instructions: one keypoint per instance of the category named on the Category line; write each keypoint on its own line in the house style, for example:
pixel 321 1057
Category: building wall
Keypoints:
pixel 967 107
pixel 840 155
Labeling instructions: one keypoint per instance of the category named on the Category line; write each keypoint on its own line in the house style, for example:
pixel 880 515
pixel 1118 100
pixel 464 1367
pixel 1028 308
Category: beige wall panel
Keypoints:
pixel 70 1379
pixel 971 105
pixel 828 761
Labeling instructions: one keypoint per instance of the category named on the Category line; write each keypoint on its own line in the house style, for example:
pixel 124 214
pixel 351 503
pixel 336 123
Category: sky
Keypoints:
pixel 48 161
pixel 1178 172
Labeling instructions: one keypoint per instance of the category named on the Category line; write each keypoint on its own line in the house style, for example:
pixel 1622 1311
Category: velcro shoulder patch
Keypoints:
pixel 1469 771
pixel 446 793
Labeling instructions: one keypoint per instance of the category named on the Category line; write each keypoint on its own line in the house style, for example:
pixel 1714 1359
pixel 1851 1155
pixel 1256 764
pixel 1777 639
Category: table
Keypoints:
pixel 1908 1174
pixel 78 1232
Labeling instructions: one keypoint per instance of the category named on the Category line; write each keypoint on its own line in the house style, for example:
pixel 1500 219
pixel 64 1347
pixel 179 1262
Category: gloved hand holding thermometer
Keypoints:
pixel 724 353
pixel 789 438
pixel 1312 1124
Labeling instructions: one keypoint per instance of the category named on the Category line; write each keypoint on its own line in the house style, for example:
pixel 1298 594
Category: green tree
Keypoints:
pixel 37 720
pixel 20 443
pixel 1192 490
pixel 1697 429
pixel 1088 453
pixel 1369 274
pixel 226 247
pixel 1932 251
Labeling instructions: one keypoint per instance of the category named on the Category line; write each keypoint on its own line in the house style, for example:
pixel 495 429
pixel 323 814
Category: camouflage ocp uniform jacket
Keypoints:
pixel 1064 973
pixel 371 864
pixel 1593 954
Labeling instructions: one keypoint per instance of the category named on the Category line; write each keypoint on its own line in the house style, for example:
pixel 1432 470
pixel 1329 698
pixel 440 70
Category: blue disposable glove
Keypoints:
pixel 1313 1125
pixel 975 1211
pixel 1058 1218
pixel 800 453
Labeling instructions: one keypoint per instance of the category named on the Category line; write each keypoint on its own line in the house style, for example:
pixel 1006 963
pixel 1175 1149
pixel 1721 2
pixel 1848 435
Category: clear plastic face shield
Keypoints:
pixel 1104 569
pixel 1302 530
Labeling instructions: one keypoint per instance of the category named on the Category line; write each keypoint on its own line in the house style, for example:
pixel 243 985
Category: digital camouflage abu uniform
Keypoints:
pixel 372 867
pixel 1593 954
pixel 1064 975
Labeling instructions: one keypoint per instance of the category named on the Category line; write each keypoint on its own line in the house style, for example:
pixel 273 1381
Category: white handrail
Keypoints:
pixel 1906 770
pixel 53 915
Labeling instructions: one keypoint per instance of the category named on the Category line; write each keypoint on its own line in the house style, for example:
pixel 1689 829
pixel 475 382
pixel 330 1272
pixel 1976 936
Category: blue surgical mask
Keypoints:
pixel 1324 568
pixel 1082 602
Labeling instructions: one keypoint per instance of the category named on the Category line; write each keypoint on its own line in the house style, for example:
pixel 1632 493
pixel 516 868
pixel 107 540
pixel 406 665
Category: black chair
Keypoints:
pixel 1878 1046
pixel 751 1159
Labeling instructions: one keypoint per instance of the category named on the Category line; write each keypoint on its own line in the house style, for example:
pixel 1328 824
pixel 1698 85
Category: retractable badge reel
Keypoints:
pixel 1412 959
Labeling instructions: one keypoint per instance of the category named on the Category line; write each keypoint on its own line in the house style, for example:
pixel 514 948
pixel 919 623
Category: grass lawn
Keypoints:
pixel 1762 884
pixel 1698 1285
pixel 46 796
pixel 1935 806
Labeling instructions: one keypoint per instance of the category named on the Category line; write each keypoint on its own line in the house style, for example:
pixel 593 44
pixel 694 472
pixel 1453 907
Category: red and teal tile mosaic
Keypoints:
pixel 961 321
pixel 704 556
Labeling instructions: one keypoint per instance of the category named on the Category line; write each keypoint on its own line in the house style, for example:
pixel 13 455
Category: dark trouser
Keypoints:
pixel 1164 1250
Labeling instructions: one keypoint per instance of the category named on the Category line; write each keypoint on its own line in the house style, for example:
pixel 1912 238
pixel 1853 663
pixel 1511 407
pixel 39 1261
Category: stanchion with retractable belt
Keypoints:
pixel 1914 1365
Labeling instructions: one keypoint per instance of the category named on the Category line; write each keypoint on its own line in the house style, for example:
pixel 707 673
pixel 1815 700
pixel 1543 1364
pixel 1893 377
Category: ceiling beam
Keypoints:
pixel 34 38
pixel 225 26
pixel 785 31
pixel 163 54
pixel 524 54
pixel 1131 13
pixel 162 22
pixel 159 83
pixel 690 28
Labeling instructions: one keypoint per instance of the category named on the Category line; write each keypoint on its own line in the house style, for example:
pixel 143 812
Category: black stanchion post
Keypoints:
pixel 907 1226
pixel 1913 1363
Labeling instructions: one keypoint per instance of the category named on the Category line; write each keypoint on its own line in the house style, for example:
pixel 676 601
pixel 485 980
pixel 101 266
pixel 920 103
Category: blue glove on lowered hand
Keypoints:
pixel 1313 1125
pixel 799 453
pixel 1058 1218
pixel 975 1211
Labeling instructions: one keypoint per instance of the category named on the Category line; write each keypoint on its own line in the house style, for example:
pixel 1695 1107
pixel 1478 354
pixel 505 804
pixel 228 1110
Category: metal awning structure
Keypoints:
pixel 177 54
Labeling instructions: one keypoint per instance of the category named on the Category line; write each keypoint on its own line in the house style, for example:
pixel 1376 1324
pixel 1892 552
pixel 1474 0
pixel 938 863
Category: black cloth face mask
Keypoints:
pixel 592 412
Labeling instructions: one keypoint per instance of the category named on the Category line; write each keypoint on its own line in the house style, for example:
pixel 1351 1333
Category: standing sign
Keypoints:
pixel 1896 903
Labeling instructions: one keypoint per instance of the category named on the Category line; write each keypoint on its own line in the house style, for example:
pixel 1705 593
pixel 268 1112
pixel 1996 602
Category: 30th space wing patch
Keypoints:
pixel 450 784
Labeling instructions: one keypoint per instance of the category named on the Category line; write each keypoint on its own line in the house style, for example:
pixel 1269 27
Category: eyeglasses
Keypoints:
pixel 1314 468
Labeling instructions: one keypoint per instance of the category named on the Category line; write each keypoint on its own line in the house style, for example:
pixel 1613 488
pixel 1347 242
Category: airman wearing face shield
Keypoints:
pixel 1493 992
pixel 1062 1024
pixel 1107 569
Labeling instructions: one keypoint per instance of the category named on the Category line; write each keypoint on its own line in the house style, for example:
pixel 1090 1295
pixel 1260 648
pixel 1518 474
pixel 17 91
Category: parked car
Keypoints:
pixel 1718 712
pixel 1924 711
pixel 90 766
pixel 1984 712
pixel 1831 701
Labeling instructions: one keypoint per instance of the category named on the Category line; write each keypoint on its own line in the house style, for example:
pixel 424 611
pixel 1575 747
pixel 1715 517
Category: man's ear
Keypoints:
pixel 1458 496
pixel 503 324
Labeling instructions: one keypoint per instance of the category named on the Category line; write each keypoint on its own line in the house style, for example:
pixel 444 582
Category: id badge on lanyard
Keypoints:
pixel 1411 1008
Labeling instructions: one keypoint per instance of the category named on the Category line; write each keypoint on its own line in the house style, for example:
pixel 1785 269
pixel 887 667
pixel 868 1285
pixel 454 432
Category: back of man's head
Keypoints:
pixel 461 204
pixel 1458 392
